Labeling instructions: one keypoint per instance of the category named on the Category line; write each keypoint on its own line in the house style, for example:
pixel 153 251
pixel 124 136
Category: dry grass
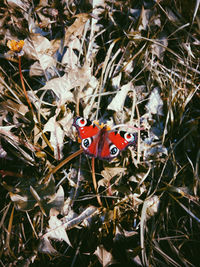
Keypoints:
pixel 125 63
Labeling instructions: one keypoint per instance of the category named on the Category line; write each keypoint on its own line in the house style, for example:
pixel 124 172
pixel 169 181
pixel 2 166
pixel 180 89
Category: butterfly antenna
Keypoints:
pixel 127 126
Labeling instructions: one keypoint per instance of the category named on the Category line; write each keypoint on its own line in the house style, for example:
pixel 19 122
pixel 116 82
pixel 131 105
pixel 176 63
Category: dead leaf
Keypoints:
pixel 155 103
pixel 159 47
pixel 18 4
pixel 66 123
pixel 61 87
pixel 152 205
pixel 117 103
pixel 46 247
pixel 70 58
pixel 76 29
pixel 109 173
pixel 145 16
pixel 16 142
pixel 104 256
pixel 56 230
pixel 21 202
pixel 56 136
pixel 39 48
pixel 38 68
pixel 36 45
pixel 157 151
pixel 56 201
pixel 116 81
pixel 80 76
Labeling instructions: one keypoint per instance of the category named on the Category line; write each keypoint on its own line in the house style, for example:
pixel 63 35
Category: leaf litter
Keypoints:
pixel 133 66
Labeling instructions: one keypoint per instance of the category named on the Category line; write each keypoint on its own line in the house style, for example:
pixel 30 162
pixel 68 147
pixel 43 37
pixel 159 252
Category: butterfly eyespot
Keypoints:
pixel 86 142
pixel 129 137
pixel 114 151
pixel 81 122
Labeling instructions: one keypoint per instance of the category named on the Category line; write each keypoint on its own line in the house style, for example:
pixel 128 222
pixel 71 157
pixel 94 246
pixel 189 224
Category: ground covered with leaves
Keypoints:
pixel 131 65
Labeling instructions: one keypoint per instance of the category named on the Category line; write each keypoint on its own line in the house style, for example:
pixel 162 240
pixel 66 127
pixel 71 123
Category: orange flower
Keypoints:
pixel 15 46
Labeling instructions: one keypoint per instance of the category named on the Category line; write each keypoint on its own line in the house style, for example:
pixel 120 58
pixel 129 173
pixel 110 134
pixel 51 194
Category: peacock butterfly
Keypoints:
pixel 101 142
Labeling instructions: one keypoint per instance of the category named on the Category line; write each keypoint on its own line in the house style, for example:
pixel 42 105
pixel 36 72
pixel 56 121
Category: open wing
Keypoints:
pixel 89 133
pixel 85 127
pixel 114 142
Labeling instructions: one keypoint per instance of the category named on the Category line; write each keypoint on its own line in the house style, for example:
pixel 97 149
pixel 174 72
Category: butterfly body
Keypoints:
pixel 100 142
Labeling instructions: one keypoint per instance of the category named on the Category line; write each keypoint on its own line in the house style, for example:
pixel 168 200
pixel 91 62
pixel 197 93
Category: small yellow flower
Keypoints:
pixel 15 46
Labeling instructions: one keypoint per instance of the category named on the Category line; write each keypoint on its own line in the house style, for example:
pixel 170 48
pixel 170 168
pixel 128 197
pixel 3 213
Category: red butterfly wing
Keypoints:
pixel 101 143
pixel 89 135
pixel 104 147
pixel 85 127
pixel 114 142
pixel 122 139
pixel 118 140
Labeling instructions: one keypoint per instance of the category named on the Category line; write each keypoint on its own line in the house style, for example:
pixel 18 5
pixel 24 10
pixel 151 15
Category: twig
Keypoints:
pixel 65 161
pixel 95 182
pixel 23 85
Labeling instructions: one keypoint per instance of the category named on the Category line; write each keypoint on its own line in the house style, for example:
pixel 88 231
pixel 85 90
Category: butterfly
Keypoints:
pixel 100 142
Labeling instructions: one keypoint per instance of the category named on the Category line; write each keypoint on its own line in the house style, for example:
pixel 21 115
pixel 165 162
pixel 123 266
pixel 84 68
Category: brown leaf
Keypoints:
pixel 76 29
pixel 104 256
pixel 56 136
pixel 117 103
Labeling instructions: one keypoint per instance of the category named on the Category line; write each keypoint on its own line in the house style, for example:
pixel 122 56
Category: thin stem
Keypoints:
pixel 95 182
pixel 23 86
pixel 62 164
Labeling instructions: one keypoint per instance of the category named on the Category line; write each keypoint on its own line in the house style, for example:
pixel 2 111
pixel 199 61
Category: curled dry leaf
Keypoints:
pixel 80 76
pixel 109 173
pixel 155 103
pixel 19 110
pixel 36 46
pixel 116 81
pixel 159 50
pixel 145 16
pixel 76 29
pixel 56 230
pixel 118 101
pixel 152 205
pixel 39 48
pixel 21 196
pixel 56 136
pixel 56 201
pixel 16 142
pixel 104 256
pixel 70 57
pixel 46 247
pixel 29 193
pixel 22 202
pixel 38 68
pixel 66 123
pixel 61 87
